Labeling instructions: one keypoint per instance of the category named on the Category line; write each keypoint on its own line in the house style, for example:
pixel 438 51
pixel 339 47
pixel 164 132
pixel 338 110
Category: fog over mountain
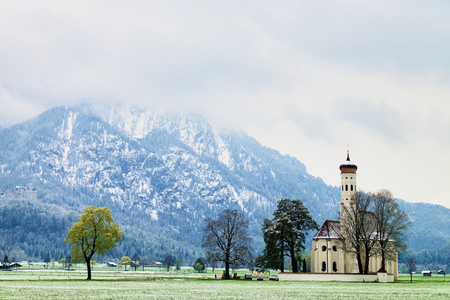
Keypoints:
pixel 161 174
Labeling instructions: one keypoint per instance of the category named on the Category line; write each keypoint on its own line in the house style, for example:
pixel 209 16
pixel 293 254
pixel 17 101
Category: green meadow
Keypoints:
pixel 140 285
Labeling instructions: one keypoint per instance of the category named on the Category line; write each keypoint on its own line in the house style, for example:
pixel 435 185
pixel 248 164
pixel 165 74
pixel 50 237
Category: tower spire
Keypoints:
pixel 348 152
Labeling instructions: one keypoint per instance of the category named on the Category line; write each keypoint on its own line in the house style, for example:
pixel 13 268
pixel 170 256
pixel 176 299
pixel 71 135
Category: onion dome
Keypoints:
pixel 348 167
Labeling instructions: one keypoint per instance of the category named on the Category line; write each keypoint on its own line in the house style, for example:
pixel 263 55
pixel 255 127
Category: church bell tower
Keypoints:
pixel 348 183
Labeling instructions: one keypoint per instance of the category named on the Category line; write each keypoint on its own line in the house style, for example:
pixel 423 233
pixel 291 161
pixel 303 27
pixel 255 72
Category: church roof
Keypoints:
pixel 329 230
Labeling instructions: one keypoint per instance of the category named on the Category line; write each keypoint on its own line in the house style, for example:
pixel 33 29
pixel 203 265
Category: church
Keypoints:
pixel 327 253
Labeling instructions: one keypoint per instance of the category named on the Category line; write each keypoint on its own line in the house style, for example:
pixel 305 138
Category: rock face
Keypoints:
pixel 160 174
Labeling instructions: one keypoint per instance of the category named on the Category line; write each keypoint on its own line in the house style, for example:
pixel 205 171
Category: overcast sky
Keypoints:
pixel 303 77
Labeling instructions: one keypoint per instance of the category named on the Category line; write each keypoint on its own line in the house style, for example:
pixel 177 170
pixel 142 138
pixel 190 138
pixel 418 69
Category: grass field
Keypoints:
pixel 130 285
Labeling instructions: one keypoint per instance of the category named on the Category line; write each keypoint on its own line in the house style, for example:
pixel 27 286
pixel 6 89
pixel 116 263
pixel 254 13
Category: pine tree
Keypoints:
pixel 284 235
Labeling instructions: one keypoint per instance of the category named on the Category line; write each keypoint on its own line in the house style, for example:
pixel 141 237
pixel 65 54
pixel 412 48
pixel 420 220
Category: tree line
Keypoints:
pixel 374 224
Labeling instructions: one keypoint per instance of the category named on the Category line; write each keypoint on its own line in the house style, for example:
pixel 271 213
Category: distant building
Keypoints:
pixel 157 264
pixel 27 192
pixel 15 265
pixel 327 253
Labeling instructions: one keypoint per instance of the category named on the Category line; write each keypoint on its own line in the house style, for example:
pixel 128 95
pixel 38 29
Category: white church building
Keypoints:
pixel 327 253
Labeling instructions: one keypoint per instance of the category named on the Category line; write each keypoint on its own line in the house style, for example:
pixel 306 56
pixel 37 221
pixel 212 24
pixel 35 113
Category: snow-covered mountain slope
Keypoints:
pixel 161 174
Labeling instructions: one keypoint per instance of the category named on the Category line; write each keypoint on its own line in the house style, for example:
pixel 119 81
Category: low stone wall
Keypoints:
pixel 380 277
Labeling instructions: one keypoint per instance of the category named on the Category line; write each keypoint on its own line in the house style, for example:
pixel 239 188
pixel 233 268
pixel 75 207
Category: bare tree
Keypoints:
pixel 169 261
pixel 411 265
pixel 226 239
pixel 144 262
pixel 358 229
pixel 391 226
pixel 135 261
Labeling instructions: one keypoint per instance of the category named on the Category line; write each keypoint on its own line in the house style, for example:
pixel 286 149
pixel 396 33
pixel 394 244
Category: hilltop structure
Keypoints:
pixel 27 192
pixel 328 255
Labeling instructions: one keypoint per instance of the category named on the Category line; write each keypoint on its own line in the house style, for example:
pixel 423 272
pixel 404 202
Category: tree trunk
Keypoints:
pixel 367 259
pixel 366 265
pixel 282 252
pixel 294 262
pixel 383 259
pixel 88 264
pixel 360 266
pixel 227 266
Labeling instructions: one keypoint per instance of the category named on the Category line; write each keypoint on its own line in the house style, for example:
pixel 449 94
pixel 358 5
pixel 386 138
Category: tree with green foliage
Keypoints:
pixel 62 262
pixel 272 256
pixel 95 232
pixel 6 262
pixel 226 239
pixel 124 261
pixel 284 235
pixel 5 259
pixel 199 265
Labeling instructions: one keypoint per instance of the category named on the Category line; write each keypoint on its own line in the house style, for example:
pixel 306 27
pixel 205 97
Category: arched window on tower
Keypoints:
pixel 346 187
pixel 324 266
pixel 351 187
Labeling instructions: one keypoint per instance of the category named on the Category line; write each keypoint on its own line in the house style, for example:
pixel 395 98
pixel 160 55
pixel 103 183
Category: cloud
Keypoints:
pixel 304 77
pixel 379 119
pixel 15 109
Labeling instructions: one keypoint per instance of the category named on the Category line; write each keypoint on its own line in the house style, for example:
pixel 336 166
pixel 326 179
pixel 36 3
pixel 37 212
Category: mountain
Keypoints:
pixel 161 174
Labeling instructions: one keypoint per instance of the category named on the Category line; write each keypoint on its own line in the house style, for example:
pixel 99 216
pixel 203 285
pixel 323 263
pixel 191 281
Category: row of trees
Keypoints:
pixel 226 238
pixel 96 233
pixel 374 224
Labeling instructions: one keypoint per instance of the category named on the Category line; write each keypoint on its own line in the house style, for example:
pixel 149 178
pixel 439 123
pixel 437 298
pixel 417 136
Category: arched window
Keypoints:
pixel 334 266
pixel 324 248
pixel 334 248
pixel 351 187
pixel 346 187
pixel 342 187
pixel 324 266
